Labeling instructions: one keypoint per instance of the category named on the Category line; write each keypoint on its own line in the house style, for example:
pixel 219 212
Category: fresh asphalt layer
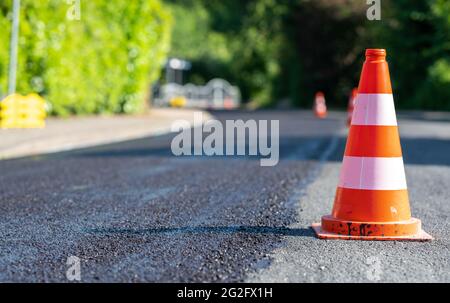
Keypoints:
pixel 132 211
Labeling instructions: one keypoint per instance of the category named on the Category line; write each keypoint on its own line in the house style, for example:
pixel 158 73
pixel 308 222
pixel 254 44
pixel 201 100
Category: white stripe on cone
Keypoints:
pixel 373 173
pixel 374 109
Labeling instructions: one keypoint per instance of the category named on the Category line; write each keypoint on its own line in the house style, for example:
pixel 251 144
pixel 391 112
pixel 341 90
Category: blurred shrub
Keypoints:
pixel 326 43
pixel 103 63
pixel 287 50
pixel 240 41
pixel 434 93
pixel 417 36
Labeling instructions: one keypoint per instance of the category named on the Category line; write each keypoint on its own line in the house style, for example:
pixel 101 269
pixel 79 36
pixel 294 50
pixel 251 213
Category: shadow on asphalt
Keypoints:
pixel 424 116
pixel 420 151
pixel 282 231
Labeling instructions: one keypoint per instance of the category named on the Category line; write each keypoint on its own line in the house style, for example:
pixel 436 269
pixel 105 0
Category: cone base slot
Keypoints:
pixel 409 230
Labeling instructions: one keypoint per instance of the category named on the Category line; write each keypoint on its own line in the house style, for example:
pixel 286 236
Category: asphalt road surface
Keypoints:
pixel 133 212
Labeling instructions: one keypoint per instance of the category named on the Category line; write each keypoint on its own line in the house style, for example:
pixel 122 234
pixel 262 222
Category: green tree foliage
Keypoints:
pixel 271 49
pixel 282 49
pixel 233 39
pixel 258 53
pixel 326 42
pixel 417 34
pixel 102 63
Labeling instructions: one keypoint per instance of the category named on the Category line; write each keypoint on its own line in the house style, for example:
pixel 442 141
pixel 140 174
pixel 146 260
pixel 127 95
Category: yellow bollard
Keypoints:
pixel 17 111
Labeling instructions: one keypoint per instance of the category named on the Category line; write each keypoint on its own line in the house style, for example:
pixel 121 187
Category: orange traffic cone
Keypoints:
pixel 320 106
pixel 372 198
pixel 351 105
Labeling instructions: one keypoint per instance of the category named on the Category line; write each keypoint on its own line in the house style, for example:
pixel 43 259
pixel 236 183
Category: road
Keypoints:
pixel 133 212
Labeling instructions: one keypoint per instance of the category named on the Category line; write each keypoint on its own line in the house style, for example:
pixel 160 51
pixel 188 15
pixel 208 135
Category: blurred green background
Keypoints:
pixel 102 63
pixel 277 52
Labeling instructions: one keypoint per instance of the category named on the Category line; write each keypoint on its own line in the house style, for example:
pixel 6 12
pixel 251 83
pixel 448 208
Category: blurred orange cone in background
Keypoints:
pixel 320 106
pixel 351 105
pixel 372 201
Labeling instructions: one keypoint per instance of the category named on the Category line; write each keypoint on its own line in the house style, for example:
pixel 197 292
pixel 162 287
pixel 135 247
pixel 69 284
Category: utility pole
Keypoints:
pixel 13 48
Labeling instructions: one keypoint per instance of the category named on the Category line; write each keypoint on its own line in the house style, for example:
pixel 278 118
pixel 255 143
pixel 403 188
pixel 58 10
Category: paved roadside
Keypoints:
pixel 67 134
pixel 426 147
pixel 133 212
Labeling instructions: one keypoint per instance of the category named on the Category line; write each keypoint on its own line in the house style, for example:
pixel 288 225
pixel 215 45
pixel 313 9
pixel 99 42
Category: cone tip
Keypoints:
pixel 375 54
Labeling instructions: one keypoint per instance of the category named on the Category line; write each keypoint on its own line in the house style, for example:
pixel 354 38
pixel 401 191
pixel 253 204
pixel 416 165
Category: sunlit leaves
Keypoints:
pixel 103 63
